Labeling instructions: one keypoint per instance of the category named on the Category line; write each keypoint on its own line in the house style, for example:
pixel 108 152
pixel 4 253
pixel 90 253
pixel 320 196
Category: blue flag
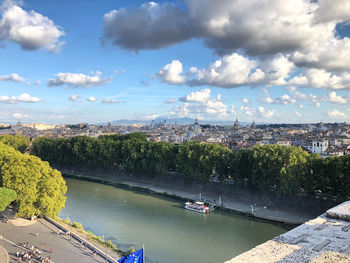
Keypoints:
pixel 136 257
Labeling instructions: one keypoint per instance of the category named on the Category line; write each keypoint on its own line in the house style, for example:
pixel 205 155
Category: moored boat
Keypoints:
pixel 197 207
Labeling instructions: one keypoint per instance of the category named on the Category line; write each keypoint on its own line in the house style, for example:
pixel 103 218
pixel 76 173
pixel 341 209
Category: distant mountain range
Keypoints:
pixel 179 121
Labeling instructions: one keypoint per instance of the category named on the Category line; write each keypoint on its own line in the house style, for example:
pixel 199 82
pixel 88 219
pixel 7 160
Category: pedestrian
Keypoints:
pixel 42 246
pixel 37 234
pixel 50 250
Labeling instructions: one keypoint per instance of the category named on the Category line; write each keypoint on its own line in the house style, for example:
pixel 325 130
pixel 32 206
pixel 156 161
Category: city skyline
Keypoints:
pixel 89 61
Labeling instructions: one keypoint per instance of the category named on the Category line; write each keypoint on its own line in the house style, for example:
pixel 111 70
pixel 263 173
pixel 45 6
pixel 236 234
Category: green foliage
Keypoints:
pixel 67 221
pixel 7 196
pixel 40 189
pixel 77 225
pixel 18 142
pixel 270 167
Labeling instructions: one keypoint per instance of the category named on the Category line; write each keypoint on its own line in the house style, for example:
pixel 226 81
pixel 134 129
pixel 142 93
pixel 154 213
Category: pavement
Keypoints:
pixel 43 233
pixel 321 240
pixel 4 257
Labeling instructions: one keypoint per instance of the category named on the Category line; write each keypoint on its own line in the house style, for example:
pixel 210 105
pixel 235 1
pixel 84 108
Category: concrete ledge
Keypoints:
pixel 321 240
pixel 341 212
pixel 4 256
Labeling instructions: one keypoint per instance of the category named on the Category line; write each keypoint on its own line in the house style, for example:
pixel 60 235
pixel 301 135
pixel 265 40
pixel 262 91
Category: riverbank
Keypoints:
pixel 279 215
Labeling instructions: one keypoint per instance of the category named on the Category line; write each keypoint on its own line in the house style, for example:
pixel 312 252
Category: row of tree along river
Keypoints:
pixel 285 169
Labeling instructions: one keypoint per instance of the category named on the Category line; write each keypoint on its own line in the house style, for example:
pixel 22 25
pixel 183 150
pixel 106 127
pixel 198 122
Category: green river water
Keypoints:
pixel 168 231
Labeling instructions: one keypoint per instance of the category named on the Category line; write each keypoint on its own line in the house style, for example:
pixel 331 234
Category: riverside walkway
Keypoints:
pixel 42 235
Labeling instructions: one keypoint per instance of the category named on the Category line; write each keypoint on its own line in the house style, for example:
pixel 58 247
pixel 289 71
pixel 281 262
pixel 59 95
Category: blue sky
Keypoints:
pixel 80 61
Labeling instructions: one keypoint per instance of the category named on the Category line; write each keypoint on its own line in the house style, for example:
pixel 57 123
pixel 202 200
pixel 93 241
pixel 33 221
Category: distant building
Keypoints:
pixel 317 146
pixel 253 126
pixel 236 125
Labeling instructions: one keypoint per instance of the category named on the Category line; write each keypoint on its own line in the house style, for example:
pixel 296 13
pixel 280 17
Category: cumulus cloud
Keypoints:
pixel 152 26
pixel 24 97
pixel 336 114
pixel 197 96
pixel 284 100
pixel 14 77
pixel 30 30
pixel 110 101
pixel 201 104
pixel 170 73
pixel 19 115
pixel 297 114
pixel 300 45
pixel 169 101
pixel 334 98
pixel 230 71
pixel 227 26
pixel 74 97
pixel 92 99
pixel 76 80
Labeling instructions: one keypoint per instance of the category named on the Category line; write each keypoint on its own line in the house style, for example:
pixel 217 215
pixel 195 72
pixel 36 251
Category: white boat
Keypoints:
pixel 197 207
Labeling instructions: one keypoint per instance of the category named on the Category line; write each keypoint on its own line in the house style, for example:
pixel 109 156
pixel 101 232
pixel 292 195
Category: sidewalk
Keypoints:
pixel 4 256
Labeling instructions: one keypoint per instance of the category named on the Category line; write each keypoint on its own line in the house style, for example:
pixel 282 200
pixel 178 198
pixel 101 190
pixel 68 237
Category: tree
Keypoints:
pixel 18 142
pixel 40 189
pixel 7 196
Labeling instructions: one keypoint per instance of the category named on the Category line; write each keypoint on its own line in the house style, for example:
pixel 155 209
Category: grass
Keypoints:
pixel 95 238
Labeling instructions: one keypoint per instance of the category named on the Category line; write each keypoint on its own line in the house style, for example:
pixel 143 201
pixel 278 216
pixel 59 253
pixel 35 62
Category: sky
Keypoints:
pixel 95 61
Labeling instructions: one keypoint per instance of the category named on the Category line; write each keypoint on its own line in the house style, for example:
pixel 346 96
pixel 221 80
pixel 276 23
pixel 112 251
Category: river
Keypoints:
pixel 169 233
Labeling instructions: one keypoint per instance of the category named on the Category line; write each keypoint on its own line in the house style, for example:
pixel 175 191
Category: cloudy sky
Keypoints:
pixel 95 61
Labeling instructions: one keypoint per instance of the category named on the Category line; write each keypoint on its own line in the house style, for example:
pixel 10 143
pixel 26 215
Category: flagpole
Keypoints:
pixel 143 253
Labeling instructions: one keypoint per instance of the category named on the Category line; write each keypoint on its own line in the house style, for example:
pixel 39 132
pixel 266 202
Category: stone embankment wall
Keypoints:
pixel 313 205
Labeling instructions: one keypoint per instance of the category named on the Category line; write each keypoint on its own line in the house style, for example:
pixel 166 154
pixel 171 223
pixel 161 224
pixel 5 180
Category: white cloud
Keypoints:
pixel 92 99
pixel 74 97
pixel 245 101
pixel 335 10
pixel 169 101
pixel 170 73
pixel 300 106
pixel 297 114
pixel 30 30
pixel 201 104
pixel 230 71
pixel 336 114
pixel 283 100
pixel 277 69
pixel 317 104
pixel 268 114
pixel 14 77
pixel 197 96
pixel 75 80
pixel 24 97
pixel 110 101
pixel 37 82
pixel 334 98
pixel 18 115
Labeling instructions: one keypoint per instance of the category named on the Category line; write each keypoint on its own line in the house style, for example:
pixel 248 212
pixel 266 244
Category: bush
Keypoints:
pixel 67 221
pixel 77 225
